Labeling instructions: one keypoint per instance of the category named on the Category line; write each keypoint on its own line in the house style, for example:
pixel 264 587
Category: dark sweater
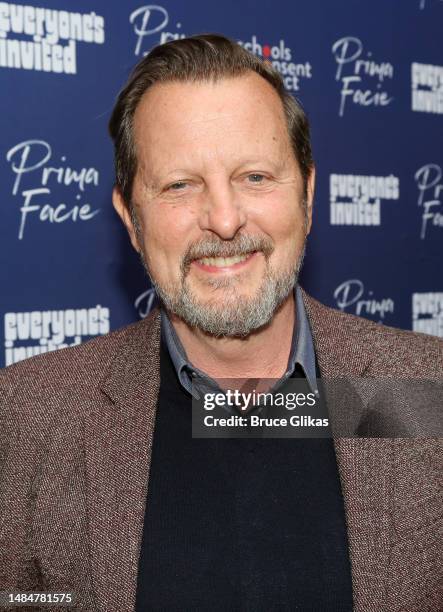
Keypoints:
pixel 240 524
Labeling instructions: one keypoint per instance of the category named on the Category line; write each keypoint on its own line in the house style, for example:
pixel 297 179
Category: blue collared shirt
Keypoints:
pixel 302 352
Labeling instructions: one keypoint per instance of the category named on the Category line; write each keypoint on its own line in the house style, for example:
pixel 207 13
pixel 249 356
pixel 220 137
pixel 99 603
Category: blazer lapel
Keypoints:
pixel 365 465
pixel 118 442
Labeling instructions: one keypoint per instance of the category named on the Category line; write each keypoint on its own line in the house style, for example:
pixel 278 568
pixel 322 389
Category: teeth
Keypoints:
pixel 221 262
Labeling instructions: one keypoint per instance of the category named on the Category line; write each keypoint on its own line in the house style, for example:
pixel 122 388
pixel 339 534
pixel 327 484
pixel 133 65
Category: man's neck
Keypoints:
pixel 262 354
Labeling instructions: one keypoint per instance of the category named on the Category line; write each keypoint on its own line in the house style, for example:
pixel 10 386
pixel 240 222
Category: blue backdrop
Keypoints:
pixel 370 75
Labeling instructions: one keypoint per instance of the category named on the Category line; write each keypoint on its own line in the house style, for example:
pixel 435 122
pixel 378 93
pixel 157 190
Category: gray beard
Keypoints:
pixel 235 316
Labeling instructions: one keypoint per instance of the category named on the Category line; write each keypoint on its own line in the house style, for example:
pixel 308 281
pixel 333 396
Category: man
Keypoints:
pixel 104 491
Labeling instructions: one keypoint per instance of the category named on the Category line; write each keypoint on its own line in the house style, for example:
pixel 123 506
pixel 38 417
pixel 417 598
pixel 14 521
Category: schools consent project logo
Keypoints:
pixel 43 39
pixel 356 200
pixel 32 333
pixel 281 58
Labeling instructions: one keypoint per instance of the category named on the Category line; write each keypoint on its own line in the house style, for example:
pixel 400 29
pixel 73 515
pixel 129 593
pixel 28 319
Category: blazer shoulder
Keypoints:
pixel 408 353
pixel 80 367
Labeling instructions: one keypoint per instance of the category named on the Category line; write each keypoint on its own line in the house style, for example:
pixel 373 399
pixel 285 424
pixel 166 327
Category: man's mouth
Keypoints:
pixel 233 262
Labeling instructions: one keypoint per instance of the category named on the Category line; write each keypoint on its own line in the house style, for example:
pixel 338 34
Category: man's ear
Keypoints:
pixel 310 198
pixel 124 214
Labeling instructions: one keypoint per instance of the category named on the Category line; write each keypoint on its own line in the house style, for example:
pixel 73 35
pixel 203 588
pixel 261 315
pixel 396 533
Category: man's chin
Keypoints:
pixel 225 323
pixel 231 315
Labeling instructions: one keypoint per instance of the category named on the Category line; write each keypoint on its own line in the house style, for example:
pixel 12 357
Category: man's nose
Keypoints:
pixel 222 211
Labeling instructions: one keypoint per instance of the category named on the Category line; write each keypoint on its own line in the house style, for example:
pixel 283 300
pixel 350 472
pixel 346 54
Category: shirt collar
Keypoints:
pixel 302 351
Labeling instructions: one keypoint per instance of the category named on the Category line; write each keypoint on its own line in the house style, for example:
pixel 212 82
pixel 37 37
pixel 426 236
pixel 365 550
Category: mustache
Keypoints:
pixel 214 247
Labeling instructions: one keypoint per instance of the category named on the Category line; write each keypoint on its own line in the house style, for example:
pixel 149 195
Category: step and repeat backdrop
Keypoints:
pixel 368 72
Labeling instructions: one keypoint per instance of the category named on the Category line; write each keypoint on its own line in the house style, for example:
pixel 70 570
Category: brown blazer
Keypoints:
pixel 76 429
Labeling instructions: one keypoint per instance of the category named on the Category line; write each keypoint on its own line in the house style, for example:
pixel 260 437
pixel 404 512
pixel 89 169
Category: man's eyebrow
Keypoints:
pixel 275 164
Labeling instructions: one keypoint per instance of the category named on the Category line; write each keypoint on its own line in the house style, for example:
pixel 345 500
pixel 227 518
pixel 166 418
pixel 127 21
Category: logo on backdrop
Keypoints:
pixel 50 35
pixel 149 20
pixel 281 58
pixel 31 163
pixel 424 3
pixel 356 200
pixel 150 23
pixel 351 296
pixel 32 333
pixel 430 197
pixel 427 88
pixel 145 302
pixel 427 313
pixel 363 80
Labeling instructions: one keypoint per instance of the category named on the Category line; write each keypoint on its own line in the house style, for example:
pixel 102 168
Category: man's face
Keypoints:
pixel 218 197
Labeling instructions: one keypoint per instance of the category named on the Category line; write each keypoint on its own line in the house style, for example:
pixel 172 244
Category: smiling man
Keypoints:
pixel 219 211
pixel 105 491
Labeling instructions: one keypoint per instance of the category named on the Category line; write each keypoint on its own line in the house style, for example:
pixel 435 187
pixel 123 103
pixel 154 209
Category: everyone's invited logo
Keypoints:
pixel 36 332
pixel 351 296
pixel 149 23
pixel 282 59
pixel 429 180
pixel 44 39
pixel 427 313
pixel 356 199
pixel 363 81
pixel 427 88
pixel 36 172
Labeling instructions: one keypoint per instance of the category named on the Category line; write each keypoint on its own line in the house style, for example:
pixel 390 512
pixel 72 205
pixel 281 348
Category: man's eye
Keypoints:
pixel 256 178
pixel 177 186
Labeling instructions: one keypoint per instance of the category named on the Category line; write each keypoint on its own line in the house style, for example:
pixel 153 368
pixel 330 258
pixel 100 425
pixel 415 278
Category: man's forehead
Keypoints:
pixel 204 101
pixel 242 115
